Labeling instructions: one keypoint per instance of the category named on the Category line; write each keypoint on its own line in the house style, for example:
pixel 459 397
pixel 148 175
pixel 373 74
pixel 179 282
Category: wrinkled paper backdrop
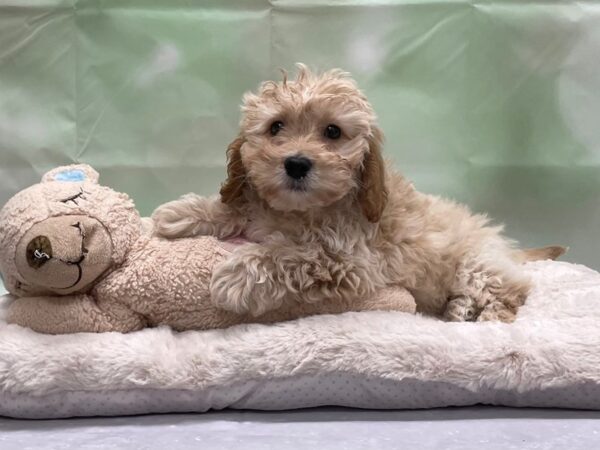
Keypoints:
pixel 493 103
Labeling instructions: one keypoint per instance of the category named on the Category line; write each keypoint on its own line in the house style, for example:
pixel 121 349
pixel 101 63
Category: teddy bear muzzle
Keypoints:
pixel 64 254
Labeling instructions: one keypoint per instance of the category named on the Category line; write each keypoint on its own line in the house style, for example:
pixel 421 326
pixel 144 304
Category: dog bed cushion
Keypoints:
pixel 549 357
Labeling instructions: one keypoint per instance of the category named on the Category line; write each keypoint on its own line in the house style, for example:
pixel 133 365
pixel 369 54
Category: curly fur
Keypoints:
pixel 353 227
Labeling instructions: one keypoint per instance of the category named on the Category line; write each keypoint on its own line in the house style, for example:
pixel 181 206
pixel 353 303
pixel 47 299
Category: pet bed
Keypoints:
pixel 549 357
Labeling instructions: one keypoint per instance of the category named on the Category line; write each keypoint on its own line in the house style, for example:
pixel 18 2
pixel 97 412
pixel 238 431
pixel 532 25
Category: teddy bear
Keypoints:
pixel 77 256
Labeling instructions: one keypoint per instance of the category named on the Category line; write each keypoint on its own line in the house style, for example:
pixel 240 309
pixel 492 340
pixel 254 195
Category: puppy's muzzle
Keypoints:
pixel 297 167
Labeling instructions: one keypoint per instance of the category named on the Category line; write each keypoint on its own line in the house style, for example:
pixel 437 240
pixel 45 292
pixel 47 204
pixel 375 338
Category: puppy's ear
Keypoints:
pixel 373 194
pixel 233 188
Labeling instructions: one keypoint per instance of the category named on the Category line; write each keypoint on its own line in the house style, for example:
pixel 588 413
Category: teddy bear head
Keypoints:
pixel 60 236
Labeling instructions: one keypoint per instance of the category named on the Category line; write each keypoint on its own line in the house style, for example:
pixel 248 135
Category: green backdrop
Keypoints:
pixel 493 103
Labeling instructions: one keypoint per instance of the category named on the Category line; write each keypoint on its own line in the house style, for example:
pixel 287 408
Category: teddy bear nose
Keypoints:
pixel 297 166
pixel 39 252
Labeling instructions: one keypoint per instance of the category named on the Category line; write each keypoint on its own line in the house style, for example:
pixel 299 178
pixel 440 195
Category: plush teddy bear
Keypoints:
pixel 77 257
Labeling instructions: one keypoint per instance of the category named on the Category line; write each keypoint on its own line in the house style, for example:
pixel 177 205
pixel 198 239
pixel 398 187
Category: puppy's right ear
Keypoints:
pixel 233 188
pixel 373 194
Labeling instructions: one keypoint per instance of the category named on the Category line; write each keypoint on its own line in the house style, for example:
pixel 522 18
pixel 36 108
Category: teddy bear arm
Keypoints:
pixel 69 314
pixel 391 298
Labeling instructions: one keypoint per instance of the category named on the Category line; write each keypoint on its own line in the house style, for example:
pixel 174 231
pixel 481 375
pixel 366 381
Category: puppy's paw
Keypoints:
pixel 460 309
pixel 172 220
pixel 240 288
pixel 496 312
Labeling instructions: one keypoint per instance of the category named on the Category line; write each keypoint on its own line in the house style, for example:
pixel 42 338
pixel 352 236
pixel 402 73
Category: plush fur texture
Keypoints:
pixel 78 257
pixel 554 343
pixel 348 227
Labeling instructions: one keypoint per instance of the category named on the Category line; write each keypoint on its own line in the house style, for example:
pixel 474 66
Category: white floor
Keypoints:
pixel 325 428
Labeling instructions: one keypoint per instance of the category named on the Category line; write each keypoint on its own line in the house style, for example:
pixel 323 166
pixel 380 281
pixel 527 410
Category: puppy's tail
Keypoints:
pixel 541 253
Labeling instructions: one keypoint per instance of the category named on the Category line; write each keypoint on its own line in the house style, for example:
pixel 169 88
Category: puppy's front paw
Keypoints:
pixel 234 287
pixel 172 221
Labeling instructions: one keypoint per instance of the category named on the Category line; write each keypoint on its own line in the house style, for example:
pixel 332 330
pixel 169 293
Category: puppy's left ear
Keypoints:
pixel 373 193
pixel 233 188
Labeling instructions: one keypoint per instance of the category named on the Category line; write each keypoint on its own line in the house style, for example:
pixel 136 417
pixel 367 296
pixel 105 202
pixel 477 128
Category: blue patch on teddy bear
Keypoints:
pixel 73 176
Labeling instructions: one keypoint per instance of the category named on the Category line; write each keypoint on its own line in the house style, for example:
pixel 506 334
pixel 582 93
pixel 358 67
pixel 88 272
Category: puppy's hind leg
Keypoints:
pixel 494 290
pixel 460 309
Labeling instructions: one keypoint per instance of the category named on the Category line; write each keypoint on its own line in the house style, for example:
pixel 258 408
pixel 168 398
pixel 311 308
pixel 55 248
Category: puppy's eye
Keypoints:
pixel 333 132
pixel 276 127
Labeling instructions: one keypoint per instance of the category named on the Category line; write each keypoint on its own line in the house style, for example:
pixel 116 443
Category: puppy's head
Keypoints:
pixel 307 143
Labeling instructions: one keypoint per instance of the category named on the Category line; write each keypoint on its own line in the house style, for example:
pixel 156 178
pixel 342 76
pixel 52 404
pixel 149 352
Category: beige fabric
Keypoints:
pixel 151 281
pixel 550 356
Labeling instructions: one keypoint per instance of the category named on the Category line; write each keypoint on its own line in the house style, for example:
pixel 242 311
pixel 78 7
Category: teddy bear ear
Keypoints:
pixel 75 173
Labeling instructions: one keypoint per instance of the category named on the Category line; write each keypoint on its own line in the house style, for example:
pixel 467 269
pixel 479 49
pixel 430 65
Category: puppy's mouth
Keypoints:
pixel 297 185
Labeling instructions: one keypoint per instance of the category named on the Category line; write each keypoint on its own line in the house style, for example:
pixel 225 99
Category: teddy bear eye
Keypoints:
pixel 74 198
pixel 39 252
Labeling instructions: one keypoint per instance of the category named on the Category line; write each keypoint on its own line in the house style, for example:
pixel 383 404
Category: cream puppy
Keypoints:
pixel 307 180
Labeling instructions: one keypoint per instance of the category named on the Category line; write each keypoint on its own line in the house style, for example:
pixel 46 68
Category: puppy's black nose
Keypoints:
pixel 297 166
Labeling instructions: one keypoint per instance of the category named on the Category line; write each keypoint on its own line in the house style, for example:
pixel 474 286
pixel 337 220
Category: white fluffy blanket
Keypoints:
pixel 553 345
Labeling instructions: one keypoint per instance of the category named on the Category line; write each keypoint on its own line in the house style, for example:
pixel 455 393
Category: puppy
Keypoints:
pixel 306 180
